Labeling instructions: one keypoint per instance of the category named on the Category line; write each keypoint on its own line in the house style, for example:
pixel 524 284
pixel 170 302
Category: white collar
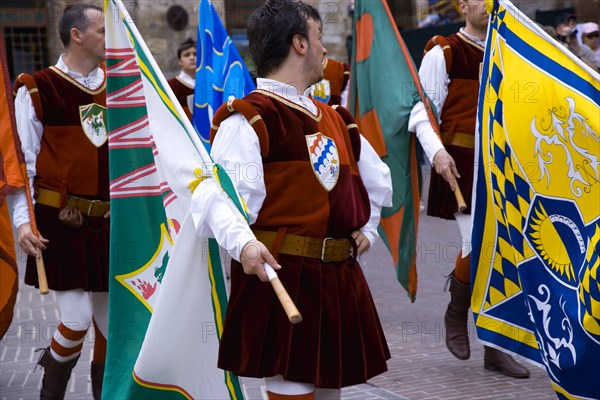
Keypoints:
pixel 288 92
pixel 92 81
pixel 473 38
pixel 186 79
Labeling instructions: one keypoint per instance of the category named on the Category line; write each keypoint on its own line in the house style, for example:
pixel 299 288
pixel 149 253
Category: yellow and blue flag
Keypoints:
pixel 536 234
pixel 220 70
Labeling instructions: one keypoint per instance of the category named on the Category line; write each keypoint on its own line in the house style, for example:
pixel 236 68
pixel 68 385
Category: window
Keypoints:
pixel 26 49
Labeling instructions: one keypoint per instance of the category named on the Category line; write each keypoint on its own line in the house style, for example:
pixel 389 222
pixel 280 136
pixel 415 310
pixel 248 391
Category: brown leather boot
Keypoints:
pixel 496 360
pixel 97 374
pixel 455 320
pixel 56 376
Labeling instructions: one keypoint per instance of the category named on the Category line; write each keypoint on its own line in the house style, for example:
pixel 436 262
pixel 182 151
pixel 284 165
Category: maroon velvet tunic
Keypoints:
pixel 458 116
pixel 338 75
pixel 68 163
pixel 182 92
pixel 340 341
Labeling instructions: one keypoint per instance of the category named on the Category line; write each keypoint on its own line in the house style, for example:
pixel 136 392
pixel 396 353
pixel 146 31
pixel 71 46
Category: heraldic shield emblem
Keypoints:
pixel 93 122
pixel 321 90
pixel 324 158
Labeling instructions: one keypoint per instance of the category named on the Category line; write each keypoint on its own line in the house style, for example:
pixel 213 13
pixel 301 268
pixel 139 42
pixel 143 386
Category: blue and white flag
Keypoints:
pixel 220 70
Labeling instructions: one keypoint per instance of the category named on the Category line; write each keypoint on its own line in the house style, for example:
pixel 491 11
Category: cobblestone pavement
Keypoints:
pixel 421 367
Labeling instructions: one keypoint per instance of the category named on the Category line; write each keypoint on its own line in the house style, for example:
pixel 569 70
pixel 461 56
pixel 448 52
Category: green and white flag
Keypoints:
pixel 167 296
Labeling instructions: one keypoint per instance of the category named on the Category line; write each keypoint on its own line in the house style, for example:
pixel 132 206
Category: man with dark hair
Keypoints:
pixel 184 83
pixel 315 203
pixel 566 19
pixel 60 120
pixel 450 75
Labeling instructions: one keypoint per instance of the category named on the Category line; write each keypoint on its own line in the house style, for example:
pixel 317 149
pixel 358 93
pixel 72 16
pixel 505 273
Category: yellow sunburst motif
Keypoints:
pixel 199 178
pixel 549 245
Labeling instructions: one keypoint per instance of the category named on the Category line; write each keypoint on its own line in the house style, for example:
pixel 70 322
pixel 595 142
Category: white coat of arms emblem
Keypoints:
pixel 324 158
pixel 93 122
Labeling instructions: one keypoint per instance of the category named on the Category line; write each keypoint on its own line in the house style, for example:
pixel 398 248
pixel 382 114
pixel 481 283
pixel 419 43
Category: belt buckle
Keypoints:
pixel 323 249
pixel 91 206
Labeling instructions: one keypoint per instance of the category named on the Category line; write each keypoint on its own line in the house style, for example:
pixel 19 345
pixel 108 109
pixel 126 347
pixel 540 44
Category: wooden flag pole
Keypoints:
pixel 460 200
pixel 288 305
pixel 39 261
pixel 41 272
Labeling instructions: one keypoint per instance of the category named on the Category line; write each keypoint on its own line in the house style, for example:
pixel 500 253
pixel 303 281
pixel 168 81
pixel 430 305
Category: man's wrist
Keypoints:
pixel 370 236
pixel 437 153
pixel 243 243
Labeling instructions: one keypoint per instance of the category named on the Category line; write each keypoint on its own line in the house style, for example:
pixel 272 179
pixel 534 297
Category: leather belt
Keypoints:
pixel 327 249
pixel 458 139
pixel 93 208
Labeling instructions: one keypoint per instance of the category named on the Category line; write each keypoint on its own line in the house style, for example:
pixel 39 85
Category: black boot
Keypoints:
pixel 496 360
pixel 455 320
pixel 56 376
pixel 97 378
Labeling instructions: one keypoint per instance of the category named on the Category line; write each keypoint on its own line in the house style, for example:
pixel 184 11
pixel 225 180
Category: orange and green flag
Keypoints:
pixel 384 87
pixel 12 176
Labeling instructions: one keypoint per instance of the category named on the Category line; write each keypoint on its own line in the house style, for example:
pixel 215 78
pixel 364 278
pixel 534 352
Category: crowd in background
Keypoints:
pixel 581 38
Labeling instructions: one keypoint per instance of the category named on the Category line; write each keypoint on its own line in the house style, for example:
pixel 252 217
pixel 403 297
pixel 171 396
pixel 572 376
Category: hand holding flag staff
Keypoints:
pixel 39 261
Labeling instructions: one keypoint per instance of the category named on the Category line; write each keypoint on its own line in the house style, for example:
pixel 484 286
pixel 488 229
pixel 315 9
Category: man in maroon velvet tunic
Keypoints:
pixel 333 88
pixel 314 189
pixel 450 74
pixel 183 84
pixel 60 120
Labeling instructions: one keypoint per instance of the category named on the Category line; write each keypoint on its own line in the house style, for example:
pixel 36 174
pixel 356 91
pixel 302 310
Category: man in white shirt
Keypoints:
pixel 450 74
pixel 67 159
pixel 314 189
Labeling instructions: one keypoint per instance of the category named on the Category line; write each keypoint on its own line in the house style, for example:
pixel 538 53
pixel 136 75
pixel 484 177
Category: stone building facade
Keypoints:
pixel 32 42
